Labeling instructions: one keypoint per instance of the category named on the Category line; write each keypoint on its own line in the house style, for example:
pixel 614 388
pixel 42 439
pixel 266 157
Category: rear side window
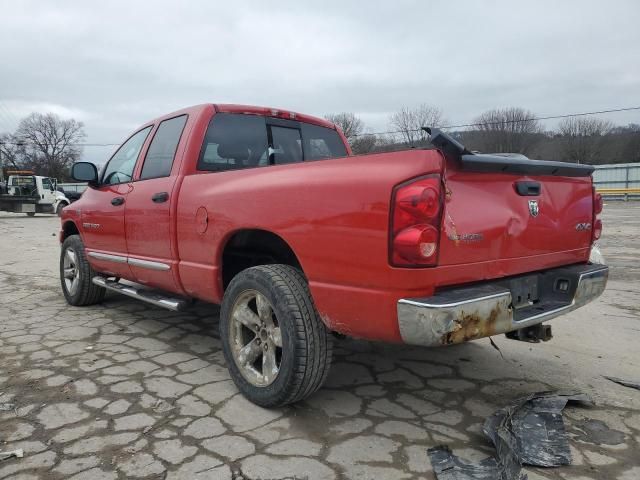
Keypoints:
pixel 162 149
pixel 321 142
pixel 234 141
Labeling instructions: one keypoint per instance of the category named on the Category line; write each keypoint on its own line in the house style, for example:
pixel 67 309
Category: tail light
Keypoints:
pixel 415 222
pixel 597 229
pixel 597 209
pixel 597 203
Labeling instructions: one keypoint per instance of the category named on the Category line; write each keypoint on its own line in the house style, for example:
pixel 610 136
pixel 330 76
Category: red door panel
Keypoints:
pixel 103 230
pixel 149 233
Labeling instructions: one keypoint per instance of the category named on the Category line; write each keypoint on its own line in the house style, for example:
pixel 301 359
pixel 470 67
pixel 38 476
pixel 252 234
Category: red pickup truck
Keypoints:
pixel 268 213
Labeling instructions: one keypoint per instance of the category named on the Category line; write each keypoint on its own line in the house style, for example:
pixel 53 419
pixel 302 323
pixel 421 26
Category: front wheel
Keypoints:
pixel 31 214
pixel 59 208
pixel 76 274
pixel 277 349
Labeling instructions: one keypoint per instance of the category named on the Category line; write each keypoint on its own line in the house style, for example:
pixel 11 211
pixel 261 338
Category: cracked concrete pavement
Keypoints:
pixel 127 390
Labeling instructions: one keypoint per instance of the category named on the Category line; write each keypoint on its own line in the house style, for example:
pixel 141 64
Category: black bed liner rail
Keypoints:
pixel 514 164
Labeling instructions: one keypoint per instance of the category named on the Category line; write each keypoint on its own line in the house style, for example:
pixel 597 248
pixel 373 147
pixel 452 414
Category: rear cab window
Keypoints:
pixel 236 141
pixel 286 145
pixel 22 182
pixel 321 142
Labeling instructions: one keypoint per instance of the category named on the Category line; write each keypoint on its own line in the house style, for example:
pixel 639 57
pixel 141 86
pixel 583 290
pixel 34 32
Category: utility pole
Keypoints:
pixel 1 163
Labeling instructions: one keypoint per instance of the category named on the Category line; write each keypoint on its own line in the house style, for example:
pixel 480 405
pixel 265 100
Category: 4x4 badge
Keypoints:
pixel 533 208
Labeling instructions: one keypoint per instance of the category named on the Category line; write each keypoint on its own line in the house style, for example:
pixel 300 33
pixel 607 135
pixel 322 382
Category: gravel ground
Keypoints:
pixel 127 390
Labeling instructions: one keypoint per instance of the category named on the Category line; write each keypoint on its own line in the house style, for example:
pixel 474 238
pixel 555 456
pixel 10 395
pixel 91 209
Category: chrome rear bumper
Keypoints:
pixel 469 313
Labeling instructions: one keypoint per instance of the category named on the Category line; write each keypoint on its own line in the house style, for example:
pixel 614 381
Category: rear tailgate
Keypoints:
pixel 501 208
pixel 485 218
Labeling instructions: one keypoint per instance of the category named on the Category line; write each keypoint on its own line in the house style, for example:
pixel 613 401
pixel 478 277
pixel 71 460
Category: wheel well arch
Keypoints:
pixel 252 247
pixel 69 228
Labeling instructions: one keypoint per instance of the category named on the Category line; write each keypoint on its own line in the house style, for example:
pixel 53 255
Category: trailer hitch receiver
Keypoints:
pixel 532 334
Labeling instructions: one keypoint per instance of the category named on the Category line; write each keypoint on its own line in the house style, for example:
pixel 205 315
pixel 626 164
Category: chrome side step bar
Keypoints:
pixel 154 297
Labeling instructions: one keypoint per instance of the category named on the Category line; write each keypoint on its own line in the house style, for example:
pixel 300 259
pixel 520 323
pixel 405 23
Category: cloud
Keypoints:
pixel 22 108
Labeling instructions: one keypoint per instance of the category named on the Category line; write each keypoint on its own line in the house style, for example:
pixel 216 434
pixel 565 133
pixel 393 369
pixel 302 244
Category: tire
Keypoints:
pixel 306 344
pixel 60 207
pixel 31 214
pixel 84 292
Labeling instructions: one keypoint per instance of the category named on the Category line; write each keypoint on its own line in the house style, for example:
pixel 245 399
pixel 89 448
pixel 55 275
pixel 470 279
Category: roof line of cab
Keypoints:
pixel 272 112
pixel 249 110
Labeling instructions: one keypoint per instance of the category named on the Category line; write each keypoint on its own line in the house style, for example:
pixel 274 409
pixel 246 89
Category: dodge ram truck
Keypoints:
pixel 268 213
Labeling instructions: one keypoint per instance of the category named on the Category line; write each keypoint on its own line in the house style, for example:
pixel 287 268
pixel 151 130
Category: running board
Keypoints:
pixel 154 297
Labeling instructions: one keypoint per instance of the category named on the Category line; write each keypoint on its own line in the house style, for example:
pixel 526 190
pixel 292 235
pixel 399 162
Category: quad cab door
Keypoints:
pixel 103 208
pixel 150 233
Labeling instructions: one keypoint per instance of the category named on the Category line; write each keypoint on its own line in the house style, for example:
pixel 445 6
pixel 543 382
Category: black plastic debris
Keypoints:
pixel 624 383
pixel 532 431
pixel 447 466
pixel 528 432
pixel 598 433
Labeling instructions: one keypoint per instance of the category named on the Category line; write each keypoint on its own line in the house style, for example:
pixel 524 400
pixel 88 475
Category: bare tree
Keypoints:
pixel 11 151
pixel 583 138
pixel 51 143
pixel 505 130
pixel 354 130
pixel 349 123
pixel 631 151
pixel 364 143
pixel 409 122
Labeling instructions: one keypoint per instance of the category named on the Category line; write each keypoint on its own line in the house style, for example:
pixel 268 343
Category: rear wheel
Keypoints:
pixel 76 274
pixel 31 214
pixel 277 349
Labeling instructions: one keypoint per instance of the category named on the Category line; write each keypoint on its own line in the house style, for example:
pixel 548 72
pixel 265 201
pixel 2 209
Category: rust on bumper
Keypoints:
pixel 469 313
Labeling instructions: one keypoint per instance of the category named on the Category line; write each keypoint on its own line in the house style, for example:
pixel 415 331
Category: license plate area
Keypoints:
pixel 525 291
pixel 541 292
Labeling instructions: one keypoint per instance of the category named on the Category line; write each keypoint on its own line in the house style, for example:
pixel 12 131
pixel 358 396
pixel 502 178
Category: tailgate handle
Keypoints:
pixel 528 188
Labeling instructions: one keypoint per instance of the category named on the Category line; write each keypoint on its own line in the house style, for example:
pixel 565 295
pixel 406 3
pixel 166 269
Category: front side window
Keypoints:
pixel 234 141
pixel 120 167
pixel 162 150
pixel 46 184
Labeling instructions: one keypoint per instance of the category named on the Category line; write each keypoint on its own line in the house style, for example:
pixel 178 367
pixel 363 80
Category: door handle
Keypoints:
pixel 117 201
pixel 160 197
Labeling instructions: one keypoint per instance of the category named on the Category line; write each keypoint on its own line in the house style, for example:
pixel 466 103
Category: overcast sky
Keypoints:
pixel 114 65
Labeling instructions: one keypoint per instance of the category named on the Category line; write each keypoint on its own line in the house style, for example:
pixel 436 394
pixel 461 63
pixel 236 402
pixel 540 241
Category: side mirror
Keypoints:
pixel 85 172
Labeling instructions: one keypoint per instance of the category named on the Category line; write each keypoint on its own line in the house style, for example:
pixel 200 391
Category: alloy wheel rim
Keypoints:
pixel 71 271
pixel 255 338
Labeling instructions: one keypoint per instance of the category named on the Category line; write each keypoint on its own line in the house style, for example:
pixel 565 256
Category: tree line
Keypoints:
pixel 48 144
pixel 577 139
